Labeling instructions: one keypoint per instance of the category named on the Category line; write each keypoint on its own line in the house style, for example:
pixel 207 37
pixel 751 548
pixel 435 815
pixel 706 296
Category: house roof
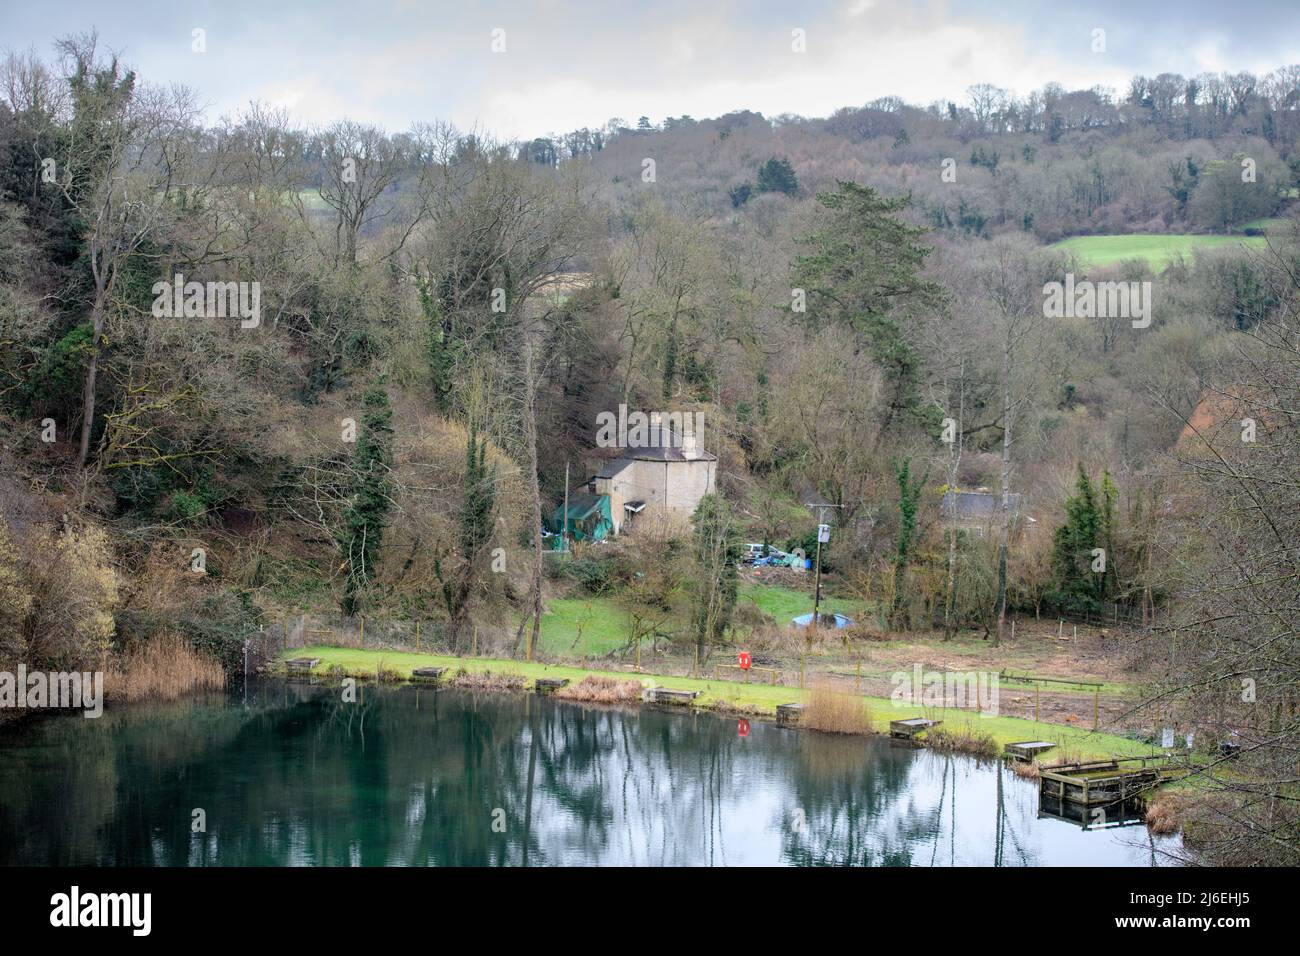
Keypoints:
pixel 668 449
pixel 613 467
pixel 976 504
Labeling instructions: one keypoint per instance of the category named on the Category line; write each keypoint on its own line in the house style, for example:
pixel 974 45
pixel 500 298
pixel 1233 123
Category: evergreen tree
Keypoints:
pixel 1076 585
pixel 864 271
pixel 777 176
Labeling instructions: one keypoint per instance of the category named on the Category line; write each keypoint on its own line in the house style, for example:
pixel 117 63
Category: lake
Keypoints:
pixel 284 774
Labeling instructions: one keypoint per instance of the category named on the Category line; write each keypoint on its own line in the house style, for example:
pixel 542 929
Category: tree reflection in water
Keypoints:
pixel 293 775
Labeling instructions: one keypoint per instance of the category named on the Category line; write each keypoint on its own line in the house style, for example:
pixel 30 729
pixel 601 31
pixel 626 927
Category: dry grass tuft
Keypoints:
pixel 836 711
pixel 1025 768
pixel 164 668
pixel 602 690
pixel 964 741
pixel 487 681
pixel 1165 815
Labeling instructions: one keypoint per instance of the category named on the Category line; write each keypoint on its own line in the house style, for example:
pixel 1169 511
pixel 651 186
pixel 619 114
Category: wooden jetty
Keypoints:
pixel 1028 749
pixel 547 685
pixel 300 668
pixel 668 695
pixel 789 713
pixel 907 729
pixel 428 673
pixel 1103 782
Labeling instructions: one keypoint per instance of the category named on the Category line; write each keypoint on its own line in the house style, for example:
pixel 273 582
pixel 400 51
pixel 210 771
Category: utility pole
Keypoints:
pixel 564 527
pixel 823 534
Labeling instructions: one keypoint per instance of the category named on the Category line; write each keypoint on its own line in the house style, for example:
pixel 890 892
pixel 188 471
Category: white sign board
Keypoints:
pixel 823 533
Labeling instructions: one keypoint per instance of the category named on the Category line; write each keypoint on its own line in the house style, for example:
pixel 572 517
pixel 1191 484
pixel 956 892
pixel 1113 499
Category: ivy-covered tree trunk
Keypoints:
pixel 535 491
pixel 474 532
pixel 909 497
pixel 717 552
pixel 369 505
pixel 1004 533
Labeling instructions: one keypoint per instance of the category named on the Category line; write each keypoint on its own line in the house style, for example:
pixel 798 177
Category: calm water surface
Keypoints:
pixel 287 774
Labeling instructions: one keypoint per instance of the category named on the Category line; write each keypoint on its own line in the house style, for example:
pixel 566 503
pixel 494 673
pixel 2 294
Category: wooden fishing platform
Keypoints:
pixel 547 685
pixel 666 695
pixel 1103 782
pixel 789 713
pixel 300 668
pixel 428 673
pixel 1028 749
pixel 907 729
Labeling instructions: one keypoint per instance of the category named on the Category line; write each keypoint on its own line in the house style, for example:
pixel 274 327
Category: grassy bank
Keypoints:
pixel 737 697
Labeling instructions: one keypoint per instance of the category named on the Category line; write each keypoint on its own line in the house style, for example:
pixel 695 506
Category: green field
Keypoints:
pixel 734 696
pixel 311 200
pixel 1158 251
pixel 1274 225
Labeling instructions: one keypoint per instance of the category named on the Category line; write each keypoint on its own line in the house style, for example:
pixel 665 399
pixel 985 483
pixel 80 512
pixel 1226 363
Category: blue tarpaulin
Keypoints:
pixel 825 619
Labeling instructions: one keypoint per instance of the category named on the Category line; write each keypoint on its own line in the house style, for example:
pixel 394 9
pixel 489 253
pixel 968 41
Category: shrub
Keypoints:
pixel 591 573
pixel 15 599
pixel 74 590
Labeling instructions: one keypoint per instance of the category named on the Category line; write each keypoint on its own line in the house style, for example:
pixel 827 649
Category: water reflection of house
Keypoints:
pixel 664 479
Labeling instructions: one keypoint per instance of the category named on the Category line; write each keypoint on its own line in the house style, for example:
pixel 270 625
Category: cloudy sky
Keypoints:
pixel 572 63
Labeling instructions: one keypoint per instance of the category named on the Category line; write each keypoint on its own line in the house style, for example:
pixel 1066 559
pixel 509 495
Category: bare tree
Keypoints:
pixel 129 155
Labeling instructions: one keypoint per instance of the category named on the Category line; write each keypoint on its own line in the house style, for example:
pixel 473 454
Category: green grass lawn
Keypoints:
pixel 578 626
pixel 1157 250
pixel 785 603
pixel 589 625
pixel 754 698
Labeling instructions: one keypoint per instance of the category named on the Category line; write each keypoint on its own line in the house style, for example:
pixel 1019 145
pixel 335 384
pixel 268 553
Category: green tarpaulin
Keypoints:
pixel 589 518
